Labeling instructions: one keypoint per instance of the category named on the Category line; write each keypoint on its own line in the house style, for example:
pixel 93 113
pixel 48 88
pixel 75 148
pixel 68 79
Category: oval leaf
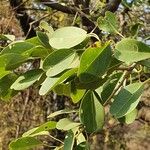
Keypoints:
pixel 126 100
pixel 67 37
pixel 43 38
pixel 91 112
pixel 5 92
pixel 7 37
pixel 130 50
pixel 69 140
pixel 27 79
pixel 11 61
pixel 129 118
pixel 17 47
pixel 109 86
pixel 37 51
pixel 34 40
pixel 24 143
pixel 58 61
pixel 44 127
pixel 108 23
pixel 50 82
pixel 60 112
pixel 66 124
pixel 44 25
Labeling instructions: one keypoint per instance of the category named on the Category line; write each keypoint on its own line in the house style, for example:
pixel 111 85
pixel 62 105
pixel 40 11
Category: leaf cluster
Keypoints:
pixel 92 76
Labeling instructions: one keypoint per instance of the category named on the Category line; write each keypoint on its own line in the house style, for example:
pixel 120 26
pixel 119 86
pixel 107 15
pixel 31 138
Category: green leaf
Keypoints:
pixel 58 61
pixel 126 100
pixel 50 82
pixel 5 92
pixel 83 44
pixel 43 38
pixel 91 113
pixel 135 29
pixel 94 63
pixel 80 138
pixel 48 85
pixel 67 37
pixel 129 118
pixel 115 63
pixel 44 25
pixel 60 112
pixel 44 127
pixel 130 50
pixel 27 79
pixel 37 51
pixel 76 94
pixel 11 61
pixel 24 143
pixel 90 85
pixel 108 23
pixel 109 86
pixel 83 146
pixel 145 63
pixel 63 89
pixel 69 141
pixel 7 37
pixel 3 72
pixel 17 47
pixel 35 41
pixel 66 124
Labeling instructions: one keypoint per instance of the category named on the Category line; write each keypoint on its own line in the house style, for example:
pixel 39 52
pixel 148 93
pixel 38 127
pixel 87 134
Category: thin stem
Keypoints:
pixel 74 19
pixel 56 139
pixel 120 34
pixel 20 5
pixel 32 23
pixel 49 146
pixel 94 28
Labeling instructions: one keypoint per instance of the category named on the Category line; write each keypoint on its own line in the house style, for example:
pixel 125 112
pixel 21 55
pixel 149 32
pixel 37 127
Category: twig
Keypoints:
pixel 33 22
pixel 126 74
pixel 8 22
pixel 46 145
pixel 56 139
pixel 74 19
pixel 20 5
pixel 123 68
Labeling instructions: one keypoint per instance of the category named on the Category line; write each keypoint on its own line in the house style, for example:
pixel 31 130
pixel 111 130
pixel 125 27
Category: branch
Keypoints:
pixel 59 7
pixel 111 6
pixel 35 22
pixel 73 10
pixel 24 19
